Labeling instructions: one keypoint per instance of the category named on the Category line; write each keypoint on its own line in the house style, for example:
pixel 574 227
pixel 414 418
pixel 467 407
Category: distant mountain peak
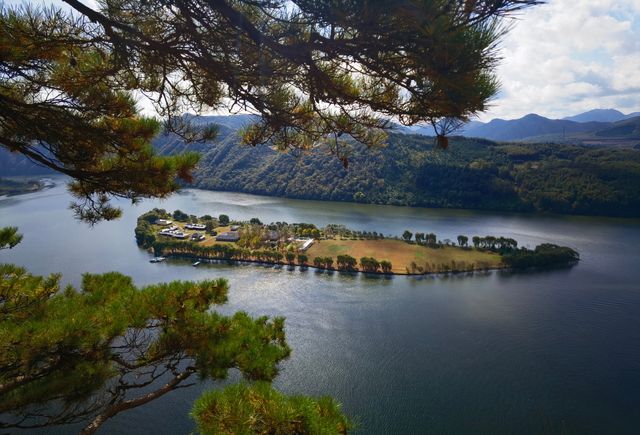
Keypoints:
pixel 533 116
pixel 598 115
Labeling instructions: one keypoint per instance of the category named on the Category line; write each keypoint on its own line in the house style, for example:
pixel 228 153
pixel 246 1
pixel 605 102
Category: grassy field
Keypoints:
pixel 402 254
pixel 404 257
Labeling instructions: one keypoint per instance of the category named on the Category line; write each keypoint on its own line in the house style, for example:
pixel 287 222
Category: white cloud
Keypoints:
pixel 566 57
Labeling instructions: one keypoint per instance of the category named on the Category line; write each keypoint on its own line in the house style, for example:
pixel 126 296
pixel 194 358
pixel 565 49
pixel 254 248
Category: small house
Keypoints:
pixel 230 236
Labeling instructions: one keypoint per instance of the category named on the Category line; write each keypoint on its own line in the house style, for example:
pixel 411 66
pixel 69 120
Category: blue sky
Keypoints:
pixel 562 58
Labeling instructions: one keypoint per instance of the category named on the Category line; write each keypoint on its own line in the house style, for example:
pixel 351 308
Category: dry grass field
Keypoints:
pixel 402 254
pixel 404 257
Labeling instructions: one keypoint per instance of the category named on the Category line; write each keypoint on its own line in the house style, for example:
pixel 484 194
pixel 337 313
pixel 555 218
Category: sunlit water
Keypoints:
pixel 547 352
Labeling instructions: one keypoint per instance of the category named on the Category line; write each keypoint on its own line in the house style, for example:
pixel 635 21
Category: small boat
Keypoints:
pixel 196 264
pixel 157 260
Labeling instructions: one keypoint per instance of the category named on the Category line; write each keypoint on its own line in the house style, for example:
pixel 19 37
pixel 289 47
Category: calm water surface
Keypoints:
pixel 549 352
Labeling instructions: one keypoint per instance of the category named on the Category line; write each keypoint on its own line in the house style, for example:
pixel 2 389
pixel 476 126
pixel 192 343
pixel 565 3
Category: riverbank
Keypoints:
pixel 335 247
pixel 15 186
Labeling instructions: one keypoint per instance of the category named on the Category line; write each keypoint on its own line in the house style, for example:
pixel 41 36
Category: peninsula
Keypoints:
pixel 335 247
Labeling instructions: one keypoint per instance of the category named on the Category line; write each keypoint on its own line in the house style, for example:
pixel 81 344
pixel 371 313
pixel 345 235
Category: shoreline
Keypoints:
pixel 347 271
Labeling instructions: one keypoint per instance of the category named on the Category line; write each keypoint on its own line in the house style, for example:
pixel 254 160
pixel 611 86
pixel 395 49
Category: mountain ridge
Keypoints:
pixel 472 173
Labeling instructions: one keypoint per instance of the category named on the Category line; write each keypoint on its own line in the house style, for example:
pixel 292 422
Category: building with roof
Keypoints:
pixel 229 236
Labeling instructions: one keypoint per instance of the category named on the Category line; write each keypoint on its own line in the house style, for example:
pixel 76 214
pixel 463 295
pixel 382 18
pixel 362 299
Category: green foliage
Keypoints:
pixel 431 239
pixel 407 235
pixel 259 409
pixel 180 216
pixel 303 259
pixel 77 344
pixel 223 219
pixel 9 237
pixel 545 255
pixel 328 262
pixel 386 266
pixel 290 256
pixel 66 103
pixel 152 216
pixel 144 234
pixel 252 236
pixel 476 241
pixel 346 262
pixel 369 264
pixel 298 81
pixel 22 293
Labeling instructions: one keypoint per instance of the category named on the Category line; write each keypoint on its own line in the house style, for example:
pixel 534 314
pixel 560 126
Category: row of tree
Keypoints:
pixel 429 239
pixel 451 267
pixel 491 243
pixel 323 262
pixel 370 264
pixel 347 262
pixel 497 244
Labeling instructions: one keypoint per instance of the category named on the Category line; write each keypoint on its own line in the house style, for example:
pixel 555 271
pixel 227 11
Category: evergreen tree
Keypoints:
pixel 314 70
pixel 109 346
pixel 9 237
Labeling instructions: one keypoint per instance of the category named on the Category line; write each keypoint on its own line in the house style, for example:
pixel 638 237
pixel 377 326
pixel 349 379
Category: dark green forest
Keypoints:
pixel 471 173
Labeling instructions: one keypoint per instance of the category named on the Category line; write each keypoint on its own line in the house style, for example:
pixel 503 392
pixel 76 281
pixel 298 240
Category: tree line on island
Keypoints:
pixel 543 255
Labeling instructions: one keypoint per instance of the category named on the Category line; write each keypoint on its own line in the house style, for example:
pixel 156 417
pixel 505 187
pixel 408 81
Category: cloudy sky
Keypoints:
pixel 570 56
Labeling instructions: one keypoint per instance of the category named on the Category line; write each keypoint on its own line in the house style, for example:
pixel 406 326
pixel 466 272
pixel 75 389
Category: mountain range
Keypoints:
pixel 599 126
pixel 601 115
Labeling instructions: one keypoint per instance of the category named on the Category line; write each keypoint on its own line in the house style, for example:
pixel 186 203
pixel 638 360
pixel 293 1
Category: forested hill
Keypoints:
pixel 472 173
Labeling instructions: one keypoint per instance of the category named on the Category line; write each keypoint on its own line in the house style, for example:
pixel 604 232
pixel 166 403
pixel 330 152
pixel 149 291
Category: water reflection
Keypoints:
pixel 483 352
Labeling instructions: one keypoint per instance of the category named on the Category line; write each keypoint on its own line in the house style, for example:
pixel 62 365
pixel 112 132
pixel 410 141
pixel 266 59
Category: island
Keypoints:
pixel 335 247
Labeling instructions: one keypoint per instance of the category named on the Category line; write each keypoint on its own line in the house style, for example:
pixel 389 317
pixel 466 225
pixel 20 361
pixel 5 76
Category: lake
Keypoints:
pixel 501 353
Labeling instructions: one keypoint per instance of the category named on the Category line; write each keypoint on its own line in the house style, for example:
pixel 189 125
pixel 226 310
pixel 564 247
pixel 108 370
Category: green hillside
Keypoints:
pixel 472 173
